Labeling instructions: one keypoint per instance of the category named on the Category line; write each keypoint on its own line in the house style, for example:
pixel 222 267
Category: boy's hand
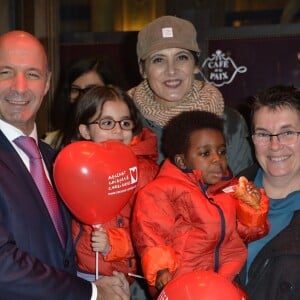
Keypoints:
pixel 162 278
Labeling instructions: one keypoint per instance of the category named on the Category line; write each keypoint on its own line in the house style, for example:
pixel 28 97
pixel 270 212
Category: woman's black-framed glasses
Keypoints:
pixel 109 124
pixel 284 138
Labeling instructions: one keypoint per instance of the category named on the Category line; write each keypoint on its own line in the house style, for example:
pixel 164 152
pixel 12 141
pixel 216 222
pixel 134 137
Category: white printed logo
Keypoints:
pixel 122 181
pixel 220 69
pixel 167 32
pixel 133 174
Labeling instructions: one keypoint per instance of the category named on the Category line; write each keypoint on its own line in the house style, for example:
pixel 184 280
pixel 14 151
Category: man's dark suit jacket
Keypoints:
pixel 33 264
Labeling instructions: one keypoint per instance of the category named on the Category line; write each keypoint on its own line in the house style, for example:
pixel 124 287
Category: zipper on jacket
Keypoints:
pixel 222 236
pixel 223 226
pixel 120 222
pixel 252 285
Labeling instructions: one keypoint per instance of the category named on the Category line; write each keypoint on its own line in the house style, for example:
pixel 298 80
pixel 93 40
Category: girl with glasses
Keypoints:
pixel 102 114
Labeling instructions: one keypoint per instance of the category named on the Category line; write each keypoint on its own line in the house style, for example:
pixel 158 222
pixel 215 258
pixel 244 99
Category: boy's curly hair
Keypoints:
pixel 177 132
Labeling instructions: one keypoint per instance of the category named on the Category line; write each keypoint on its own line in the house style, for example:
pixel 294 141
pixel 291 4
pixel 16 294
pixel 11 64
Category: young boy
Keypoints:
pixel 186 219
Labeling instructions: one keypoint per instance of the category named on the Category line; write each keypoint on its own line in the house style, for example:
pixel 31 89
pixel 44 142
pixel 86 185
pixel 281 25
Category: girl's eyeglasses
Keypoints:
pixel 108 124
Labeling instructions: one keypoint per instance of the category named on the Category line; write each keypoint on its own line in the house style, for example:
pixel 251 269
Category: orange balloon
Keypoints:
pixel 95 180
pixel 201 285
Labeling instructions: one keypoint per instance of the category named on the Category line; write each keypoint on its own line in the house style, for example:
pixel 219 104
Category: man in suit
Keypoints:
pixel 35 263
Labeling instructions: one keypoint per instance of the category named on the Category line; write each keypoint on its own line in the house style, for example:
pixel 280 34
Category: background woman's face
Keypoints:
pixel 86 80
pixel 170 73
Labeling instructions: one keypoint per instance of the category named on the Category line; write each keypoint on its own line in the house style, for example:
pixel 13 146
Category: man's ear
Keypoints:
pixel 180 161
pixel 84 131
pixel 48 80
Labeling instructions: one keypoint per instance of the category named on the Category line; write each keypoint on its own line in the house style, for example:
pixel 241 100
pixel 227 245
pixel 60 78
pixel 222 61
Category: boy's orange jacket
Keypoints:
pixel 180 225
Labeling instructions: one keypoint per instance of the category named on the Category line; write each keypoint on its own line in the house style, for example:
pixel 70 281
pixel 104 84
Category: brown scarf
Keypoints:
pixel 202 96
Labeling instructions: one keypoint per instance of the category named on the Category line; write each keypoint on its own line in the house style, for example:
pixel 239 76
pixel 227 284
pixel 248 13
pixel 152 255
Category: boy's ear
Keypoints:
pixel 180 161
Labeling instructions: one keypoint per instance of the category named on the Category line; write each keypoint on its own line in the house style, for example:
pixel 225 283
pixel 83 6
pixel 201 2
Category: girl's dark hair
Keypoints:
pixel 177 132
pixel 92 102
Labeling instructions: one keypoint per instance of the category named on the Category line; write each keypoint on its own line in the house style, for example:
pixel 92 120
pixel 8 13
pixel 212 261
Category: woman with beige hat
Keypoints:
pixel 168 57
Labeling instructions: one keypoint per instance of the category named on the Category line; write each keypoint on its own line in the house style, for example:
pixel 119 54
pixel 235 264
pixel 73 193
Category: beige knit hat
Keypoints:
pixel 166 32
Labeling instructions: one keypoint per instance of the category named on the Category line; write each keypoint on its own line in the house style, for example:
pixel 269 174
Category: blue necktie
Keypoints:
pixel 29 146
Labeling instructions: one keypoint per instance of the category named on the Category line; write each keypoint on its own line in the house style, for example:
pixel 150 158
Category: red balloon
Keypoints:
pixel 201 285
pixel 95 180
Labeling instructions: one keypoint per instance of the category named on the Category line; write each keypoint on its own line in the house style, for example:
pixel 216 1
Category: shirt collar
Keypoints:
pixel 12 132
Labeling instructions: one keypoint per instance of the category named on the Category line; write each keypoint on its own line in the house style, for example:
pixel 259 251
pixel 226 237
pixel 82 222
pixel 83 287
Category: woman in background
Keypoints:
pixel 79 77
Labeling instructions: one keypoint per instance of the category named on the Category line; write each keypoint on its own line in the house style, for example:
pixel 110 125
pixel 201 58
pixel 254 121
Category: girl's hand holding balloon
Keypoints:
pixel 100 240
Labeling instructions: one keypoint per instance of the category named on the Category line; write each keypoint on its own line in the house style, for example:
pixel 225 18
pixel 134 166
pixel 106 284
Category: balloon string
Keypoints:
pixel 96 227
pixel 97 258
